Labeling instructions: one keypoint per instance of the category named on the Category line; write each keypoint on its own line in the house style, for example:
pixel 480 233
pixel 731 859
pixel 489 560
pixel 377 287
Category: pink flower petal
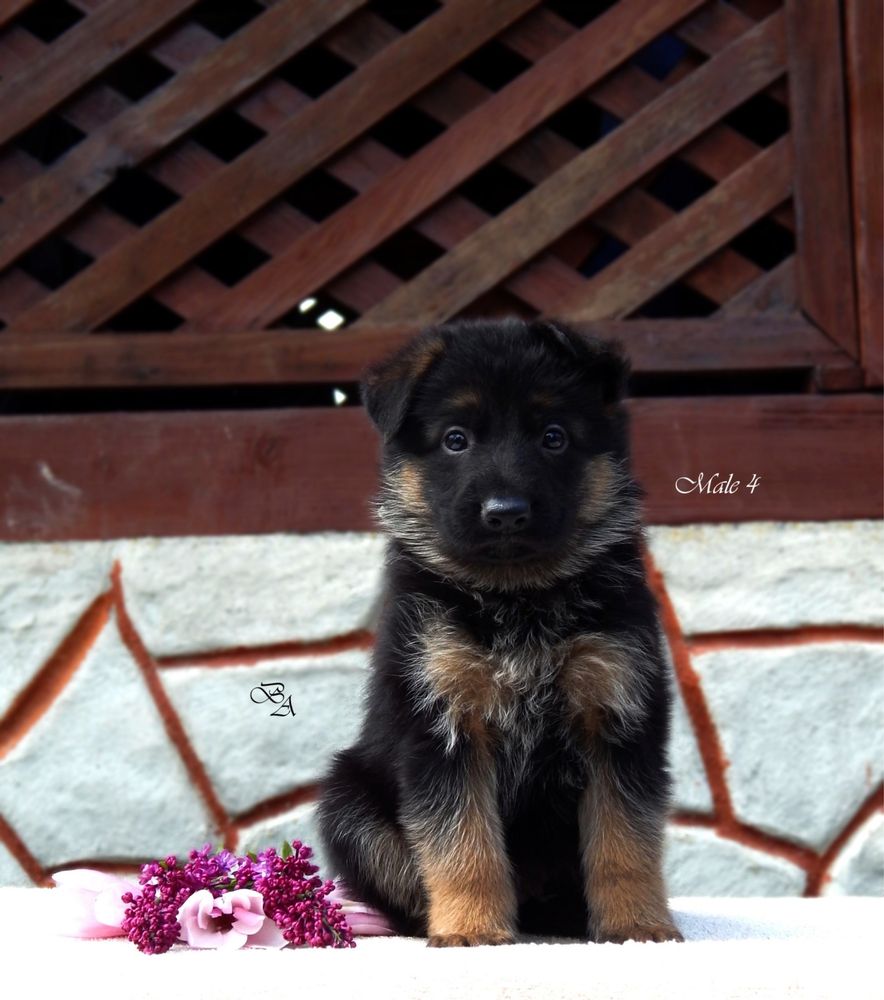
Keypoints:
pixel 372 930
pixel 109 906
pixel 194 916
pixel 200 927
pixel 269 936
pixel 85 878
pixel 87 903
pixel 231 940
pixel 246 922
pixel 73 916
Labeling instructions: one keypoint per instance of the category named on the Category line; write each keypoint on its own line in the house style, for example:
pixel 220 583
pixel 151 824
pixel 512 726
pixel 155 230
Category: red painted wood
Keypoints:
pixel 822 187
pixel 128 474
pixel 864 28
pixel 257 357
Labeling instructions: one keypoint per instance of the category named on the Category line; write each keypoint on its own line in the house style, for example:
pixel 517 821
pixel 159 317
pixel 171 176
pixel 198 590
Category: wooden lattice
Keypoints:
pixel 227 173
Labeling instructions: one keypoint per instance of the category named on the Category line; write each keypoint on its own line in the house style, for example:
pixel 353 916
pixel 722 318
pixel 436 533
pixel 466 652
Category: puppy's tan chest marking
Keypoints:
pixel 590 675
pixel 602 676
pixel 466 679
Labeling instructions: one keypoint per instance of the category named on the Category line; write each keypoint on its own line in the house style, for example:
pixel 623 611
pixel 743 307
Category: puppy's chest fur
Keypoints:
pixel 536 686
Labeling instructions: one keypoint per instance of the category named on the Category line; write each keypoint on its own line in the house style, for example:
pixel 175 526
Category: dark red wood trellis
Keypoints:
pixel 698 178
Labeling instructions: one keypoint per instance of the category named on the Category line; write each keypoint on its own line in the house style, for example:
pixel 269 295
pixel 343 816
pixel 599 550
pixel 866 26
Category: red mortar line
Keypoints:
pixel 35 699
pixel 724 820
pixel 277 805
pixel 714 761
pixel 241 656
pixel 173 725
pixel 16 847
pixel 708 642
pixel 819 876
pixel 750 836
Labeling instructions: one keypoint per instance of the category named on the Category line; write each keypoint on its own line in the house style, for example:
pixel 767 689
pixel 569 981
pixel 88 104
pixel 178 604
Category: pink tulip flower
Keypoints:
pixel 231 920
pixel 88 903
pixel 364 920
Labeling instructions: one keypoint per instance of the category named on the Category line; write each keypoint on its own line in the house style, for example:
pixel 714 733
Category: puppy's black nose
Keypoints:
pixel 506 514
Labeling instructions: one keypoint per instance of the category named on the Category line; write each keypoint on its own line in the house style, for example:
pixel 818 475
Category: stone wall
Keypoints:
pixel 133 722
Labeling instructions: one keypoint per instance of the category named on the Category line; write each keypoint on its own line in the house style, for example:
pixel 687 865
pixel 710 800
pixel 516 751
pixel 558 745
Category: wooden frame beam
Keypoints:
pixel 254 471
pixel 267 357
pixel 822 191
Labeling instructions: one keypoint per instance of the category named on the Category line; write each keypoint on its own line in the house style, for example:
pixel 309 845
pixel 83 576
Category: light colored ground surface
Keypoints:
pixel 776 948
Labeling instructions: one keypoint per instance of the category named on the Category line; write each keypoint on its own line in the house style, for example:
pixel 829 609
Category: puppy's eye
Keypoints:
pixel 554 438
pixel 455 440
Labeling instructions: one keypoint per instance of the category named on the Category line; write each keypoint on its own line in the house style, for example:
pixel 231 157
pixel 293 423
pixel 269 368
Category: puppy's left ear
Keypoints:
pixel 388 387
pixel 604 362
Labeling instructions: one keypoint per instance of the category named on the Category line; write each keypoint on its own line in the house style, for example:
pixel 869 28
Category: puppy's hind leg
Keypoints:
pixel 365 843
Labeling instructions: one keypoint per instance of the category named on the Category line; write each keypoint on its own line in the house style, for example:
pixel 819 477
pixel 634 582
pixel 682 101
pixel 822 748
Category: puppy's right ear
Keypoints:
pixel 387 387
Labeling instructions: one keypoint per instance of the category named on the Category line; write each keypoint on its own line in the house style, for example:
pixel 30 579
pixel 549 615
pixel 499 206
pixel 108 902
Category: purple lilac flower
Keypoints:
pixel 151 921
pixel 295 898
pixel 220 872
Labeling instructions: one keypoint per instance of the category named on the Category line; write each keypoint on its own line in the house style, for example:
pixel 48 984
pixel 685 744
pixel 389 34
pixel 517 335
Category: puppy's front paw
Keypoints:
pixel 468 940
pixel 639 932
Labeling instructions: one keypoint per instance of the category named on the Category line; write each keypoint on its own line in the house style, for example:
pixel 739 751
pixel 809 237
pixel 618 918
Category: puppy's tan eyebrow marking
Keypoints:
pixel 465 398
pixel 544 399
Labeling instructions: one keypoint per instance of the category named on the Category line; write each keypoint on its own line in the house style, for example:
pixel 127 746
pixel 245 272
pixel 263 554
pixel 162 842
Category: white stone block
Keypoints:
pixel 690 789
pixel 699 862
pixel 801 728
pixel 191 594
pixel 251 755
pixel 44 589
pixel 299 823
pixel 97 776
pixel 859 868
pixel 727 577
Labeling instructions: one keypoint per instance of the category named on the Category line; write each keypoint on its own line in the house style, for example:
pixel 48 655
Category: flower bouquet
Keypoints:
pixel 216 899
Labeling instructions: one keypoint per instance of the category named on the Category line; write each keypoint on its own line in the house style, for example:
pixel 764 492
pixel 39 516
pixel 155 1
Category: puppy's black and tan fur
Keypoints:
pixel 511 770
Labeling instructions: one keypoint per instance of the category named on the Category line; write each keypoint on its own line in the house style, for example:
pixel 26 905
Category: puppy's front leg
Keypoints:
pixel 453 823
pixel 622 863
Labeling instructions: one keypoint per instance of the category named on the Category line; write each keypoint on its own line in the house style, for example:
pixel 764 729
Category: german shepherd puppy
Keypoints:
pixel 511 770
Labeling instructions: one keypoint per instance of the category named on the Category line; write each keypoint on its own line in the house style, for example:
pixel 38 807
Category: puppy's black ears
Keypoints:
pixel 387 387
pixel 603 362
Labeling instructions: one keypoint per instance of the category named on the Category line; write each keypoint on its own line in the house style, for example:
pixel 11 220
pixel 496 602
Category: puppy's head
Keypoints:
pixel 505 460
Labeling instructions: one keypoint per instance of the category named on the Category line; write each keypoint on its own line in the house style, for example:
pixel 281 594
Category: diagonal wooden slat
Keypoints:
pixel 630 216
pixel 591 179
pixel 359 167
pixel 688 238
pixel 716 26
pixel 773 294
pixel 718 151
pixel 11 9
pixel 438 167
pixel 273 164
pixel 80 54
pixel 187 166
pixel 195 93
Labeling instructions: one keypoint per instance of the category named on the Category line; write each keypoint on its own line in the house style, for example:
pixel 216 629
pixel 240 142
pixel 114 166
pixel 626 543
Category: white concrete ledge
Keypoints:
pixel 735 948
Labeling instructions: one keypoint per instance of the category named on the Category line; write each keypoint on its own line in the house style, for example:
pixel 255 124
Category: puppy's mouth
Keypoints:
pixel 505 550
